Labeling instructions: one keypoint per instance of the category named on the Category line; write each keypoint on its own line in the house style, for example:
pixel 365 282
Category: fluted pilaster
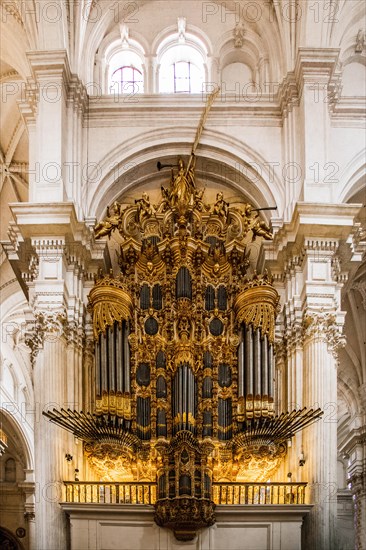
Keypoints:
pixel 50 385
pixel 320 440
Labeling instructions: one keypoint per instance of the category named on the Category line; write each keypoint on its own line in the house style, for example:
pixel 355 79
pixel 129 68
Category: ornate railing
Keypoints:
pixel 259 493
pixel 110 493
pixel 222 493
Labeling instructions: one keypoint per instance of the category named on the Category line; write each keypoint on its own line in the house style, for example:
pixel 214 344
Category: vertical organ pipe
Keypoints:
pixel 180 394
pixel 97 368
pixel 112 359
pixel 257 363
pixel 126 356
pixel 270 371
pixel 103 361
pixel 185 396
pixel 241 364
pixel 119 360
pixel 249 390
pixel 265 366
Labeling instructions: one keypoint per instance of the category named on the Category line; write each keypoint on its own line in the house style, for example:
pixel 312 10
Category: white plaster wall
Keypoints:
pixel 133 528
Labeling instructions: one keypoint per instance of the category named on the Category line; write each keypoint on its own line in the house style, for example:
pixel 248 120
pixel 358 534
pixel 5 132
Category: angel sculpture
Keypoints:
pixel 144 208
pixel 111 222
pixel 182 186
pixel 261 229
pixel 221 206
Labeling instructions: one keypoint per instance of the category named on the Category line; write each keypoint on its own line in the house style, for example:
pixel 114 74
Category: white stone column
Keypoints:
pixel 62 253
pixel 30 517
pixel 305 256
pixel 321 337
pixel 50 382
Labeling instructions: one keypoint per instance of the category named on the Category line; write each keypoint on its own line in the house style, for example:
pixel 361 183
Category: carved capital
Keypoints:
pixel 29 516
pixel 294 337
pixel 281 350
pixel 74 333
pixel 324 326
pixel 288 94
pixel 46 325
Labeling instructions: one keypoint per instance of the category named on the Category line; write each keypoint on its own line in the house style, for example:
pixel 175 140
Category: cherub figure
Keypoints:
pixel 221 206
pixel 111 222
pixel 164 202
pixel 261 229
pixel 246 214
pixel 144 208
pixel 198 200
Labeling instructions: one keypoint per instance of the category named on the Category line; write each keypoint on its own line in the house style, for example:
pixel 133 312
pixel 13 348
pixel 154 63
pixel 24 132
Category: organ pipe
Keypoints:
pixel 104 363
pixel 126 356
pixel 249 366
pixel 264 362
pixel 255 309
pixel 270 372
pixel 257 364
pixel 241 364
pixel 97 369
pixel 119 360
pixel 112 359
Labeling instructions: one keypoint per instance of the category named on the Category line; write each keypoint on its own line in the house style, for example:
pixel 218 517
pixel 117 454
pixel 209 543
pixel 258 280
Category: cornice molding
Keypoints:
pixel 49 68
pixel 319 224
pixel 50 63
pixel 315 64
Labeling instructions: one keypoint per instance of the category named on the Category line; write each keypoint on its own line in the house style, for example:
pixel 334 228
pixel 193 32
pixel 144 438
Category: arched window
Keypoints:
pixel 126 79
pixel 125 74
pixel 182 70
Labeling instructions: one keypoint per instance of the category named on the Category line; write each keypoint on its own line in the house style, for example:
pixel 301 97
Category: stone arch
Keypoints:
pixel 353 178
pixel 349 396
pixel 194 34
pixel 11 421
pixel 13 330
pixel 8 541
pixel 249 54
pixel 134 164
pixel 13 52
pixel 353 66
pixel 111 46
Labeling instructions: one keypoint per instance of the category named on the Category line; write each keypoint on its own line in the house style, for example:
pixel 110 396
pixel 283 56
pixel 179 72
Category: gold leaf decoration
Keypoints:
pixel 109 301
pixel 256 305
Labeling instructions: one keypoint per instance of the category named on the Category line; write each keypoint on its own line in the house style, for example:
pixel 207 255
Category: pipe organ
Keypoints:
pixel 184 355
